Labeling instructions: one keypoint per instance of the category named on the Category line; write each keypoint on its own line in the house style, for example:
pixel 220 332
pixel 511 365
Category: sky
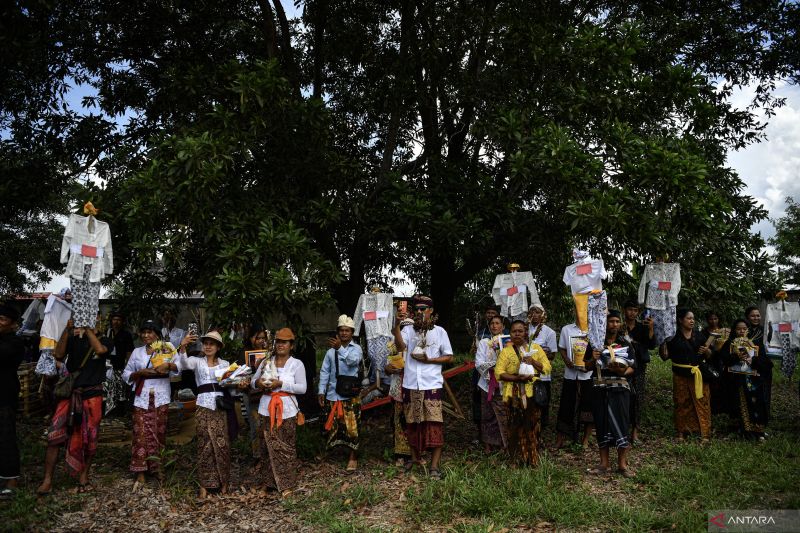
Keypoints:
pixel 771 169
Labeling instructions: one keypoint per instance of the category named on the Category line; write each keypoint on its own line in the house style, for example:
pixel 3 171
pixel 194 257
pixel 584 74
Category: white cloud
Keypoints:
pixel 771 169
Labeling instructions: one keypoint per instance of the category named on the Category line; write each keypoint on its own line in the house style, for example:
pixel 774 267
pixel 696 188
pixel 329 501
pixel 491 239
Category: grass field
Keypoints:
pixel 676 485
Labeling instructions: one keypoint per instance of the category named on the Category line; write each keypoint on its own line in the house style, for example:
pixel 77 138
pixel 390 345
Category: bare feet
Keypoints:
pixel 202 493
pixel 45 488
pixel 352 465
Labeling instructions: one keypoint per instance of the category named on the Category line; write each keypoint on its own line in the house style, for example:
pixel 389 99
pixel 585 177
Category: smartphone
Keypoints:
pixel 192 329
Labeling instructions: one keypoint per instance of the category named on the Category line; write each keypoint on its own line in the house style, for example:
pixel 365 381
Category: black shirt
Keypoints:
pixel 642 344
pixel 683 351
pixel 94 371
pixel 12 350
pixel 123 345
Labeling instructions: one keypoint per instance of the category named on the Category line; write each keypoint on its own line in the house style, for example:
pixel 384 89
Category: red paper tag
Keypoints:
pixel 785 327
pixel 371 315
pixel 664 285
pixel 584 269
pixel 88 251
pixel 512 291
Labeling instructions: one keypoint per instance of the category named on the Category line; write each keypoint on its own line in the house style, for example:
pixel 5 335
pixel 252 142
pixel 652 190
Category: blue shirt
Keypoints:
pixel 349 359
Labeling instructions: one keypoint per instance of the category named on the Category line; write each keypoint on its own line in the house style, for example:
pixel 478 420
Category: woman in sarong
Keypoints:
pixel 747 366
pixel 691 395
pixel 518 392
pixel 213 439
pixel 278 468
pixel 494 432
pixel 150 381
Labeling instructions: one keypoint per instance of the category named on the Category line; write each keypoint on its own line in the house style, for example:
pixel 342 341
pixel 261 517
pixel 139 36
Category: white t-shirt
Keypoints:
pixel 585 276
pixel 425 376
pixel 563 343
pixel 545 339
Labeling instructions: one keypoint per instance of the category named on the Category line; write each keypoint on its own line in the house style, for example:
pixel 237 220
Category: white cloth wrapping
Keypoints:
pixel 516 302
pixel 376 311
pixel 56 316
pixel 485 360
pixel 661 283
pixel 77 233
pixel 293 379
pixel 424 376
pixel 585 276
pixel 139 360
pixel 782 315
pixel 203 375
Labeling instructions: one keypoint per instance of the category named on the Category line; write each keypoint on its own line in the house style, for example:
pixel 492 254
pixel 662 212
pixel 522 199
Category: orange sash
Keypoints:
pixel 276 408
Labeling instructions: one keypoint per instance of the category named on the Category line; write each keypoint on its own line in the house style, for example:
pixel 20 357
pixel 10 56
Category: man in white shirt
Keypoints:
pixel 575 406
pixel 427 348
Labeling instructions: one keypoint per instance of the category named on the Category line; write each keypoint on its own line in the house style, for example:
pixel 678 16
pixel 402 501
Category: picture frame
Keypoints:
pixel 578 344
pixel 253 358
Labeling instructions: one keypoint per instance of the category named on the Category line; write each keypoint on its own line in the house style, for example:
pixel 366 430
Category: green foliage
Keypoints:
pixel 273 163
pixel 787 243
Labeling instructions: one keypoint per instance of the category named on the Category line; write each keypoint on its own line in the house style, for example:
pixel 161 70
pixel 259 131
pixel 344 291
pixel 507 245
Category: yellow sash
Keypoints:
pixel 698 378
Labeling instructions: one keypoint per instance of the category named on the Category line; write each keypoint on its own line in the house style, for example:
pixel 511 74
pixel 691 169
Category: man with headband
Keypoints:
pixel 427 348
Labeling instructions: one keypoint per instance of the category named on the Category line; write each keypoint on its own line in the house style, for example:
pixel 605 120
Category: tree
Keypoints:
pixel 438 139
pixel 787 243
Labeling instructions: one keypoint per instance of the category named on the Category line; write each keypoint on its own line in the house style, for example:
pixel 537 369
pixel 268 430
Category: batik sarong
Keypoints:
pixel 149 436
pixel 424 420
pixel 279 468
pixel 213 448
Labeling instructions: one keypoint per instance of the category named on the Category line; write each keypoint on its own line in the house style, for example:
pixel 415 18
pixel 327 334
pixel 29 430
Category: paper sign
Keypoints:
pixel 370 315
pixel 88 251
pixel 584 269
pixel 511 291
pixel 785 327
pixel 664 285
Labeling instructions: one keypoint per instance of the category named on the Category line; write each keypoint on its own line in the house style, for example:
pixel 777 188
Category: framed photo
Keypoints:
pixel 578 344
pixel 504 340
pixel 253 358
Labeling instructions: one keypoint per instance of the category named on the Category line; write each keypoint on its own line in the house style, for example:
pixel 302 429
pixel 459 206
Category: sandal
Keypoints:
pixel 7 494
pixel 598 471
pixel 435 474
pixel 408 466
pixel 627 473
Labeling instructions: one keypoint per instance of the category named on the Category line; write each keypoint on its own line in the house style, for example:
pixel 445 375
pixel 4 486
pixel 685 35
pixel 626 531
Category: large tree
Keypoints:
pixel 439 139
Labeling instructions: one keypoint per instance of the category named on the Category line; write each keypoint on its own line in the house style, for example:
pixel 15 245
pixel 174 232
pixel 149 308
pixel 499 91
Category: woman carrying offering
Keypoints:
pixel 518 367
pixel 278 409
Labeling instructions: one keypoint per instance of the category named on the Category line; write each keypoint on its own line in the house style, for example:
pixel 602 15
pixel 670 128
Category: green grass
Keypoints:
pixel 676 484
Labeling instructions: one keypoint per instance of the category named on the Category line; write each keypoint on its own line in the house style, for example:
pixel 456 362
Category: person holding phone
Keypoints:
pixel 341 409
pixel 215 429
pixel 151 385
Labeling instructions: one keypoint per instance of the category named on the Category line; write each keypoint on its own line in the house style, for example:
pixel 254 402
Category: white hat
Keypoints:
pixel 346 322
pixel 214 336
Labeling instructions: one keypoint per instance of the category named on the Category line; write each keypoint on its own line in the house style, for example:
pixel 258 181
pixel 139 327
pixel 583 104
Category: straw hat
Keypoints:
pixel 214 335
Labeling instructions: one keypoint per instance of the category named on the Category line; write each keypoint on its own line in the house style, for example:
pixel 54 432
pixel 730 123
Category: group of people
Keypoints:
pixel 603 390
pixel 603 387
